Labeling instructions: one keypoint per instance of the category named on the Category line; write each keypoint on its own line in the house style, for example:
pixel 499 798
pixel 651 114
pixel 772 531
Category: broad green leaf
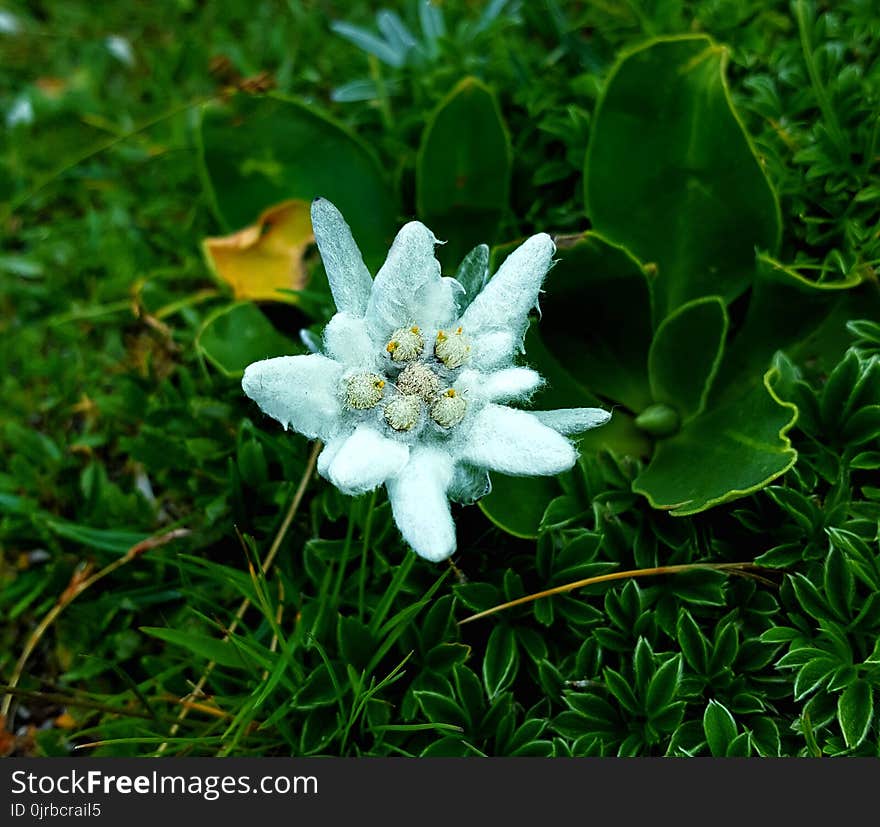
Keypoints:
pixel 259 151
pixel 672 174
pixel 517 504
pixel 728 451
pixel 463 169
pixel 808 305
pixel 203 646
pixel 596 319
pixel 237 335
pixel 855 709
pixel 720 728
pixel 685 354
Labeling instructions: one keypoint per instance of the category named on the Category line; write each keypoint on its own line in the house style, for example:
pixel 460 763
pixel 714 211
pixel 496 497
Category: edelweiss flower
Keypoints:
pixel 410 389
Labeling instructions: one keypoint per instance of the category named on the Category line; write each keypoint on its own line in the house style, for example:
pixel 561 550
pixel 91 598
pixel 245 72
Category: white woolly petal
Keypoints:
pixel 329 452
pixel 419 503
pixel 489 350
pixel 573 420
pixel 366 460
pixel 346 340
pixel 511 383
pixel 504 303
pixel 435 304
pixel 516 443
pixel 410 267
pixel 299 391
pixel 350 281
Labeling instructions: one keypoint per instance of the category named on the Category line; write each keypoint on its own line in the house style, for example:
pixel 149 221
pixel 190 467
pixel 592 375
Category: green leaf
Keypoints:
pixel 812 675
pixel 765 329
pixel 443 657
pixel 596 319
pixel 809 597
pixel 259 151
pixel 840 584
pixel 685 355
pixel 620 688
pixel 233 337
pixel 319 689
pixel 726 646
pixel 672 174
pixel 501 661
pixel 693 643
pixel 837 391
pixel 463 169
pixel 741 746
pixel 643 665
pixel 517 504
pixel 863 426
pixel 720 728
pixel 440 709
pixel 725 453
pixel 663 685
pixel 855 709
pixel 765 736
pixel 203 646
pixel 356 643
pixel 469 691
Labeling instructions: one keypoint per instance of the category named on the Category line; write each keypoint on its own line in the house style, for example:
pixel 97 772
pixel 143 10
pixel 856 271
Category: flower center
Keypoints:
pixel 364 390
pixel 402 412
pixel 448 409
pixel 452 348
pixel 420 382
pixel 406 344
pixel 418 379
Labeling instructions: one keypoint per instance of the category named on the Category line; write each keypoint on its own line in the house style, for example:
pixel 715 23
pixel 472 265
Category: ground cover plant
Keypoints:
pixel 176 579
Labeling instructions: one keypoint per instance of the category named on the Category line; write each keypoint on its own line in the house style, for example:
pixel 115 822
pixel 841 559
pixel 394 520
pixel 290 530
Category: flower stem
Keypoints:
pixel 365 547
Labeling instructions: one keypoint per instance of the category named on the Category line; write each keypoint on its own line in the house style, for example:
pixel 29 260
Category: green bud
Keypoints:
pixel 659 420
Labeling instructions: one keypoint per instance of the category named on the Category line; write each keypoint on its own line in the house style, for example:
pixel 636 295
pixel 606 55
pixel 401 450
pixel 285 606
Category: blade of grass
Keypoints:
pixel 245 604
pixel 78 584
pixel 97 149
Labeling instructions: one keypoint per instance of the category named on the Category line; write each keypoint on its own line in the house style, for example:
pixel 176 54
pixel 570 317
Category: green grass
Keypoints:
pixel 113 430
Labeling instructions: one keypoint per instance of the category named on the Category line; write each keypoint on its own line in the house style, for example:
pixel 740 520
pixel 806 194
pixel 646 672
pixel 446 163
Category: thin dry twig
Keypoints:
pixel 744 569
pixel 245 604
pixel 82 579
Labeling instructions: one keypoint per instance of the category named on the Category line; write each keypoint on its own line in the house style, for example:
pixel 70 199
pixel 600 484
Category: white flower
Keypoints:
pixel 410 389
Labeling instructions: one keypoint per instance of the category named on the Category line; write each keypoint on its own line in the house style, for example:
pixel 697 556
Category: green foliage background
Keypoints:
pixel 115 428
